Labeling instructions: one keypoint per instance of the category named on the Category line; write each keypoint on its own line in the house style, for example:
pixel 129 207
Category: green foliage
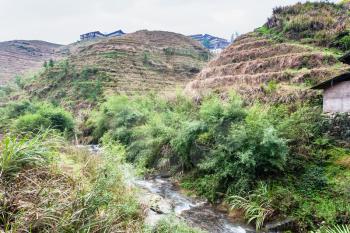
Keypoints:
pixel 51 63
pixel 337 229
pixel 257 206
pixel 343 42
pixel 19 153
pixel 19 82
pixel 146 60
pixel 118 113
pixel 271 87
pixel 76 192
pixel 226 149
pixel 171 225
pixel 45 117
pixel 12 110
pixel 264 30
pixel 313 180
pixel 251 149
pixel 88 84
pixel 221 139
pixel 114 54
pixel 316 23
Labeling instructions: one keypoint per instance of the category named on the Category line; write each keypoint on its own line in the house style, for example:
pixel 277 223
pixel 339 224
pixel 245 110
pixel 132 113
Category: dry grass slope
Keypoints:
pixel 19 57
pixel 263 69
pixel 136 63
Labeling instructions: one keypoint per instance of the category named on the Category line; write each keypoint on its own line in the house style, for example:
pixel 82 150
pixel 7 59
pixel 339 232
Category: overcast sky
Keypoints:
pixel 62 21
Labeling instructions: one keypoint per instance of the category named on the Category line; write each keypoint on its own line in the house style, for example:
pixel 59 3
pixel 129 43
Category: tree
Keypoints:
pixel 51 63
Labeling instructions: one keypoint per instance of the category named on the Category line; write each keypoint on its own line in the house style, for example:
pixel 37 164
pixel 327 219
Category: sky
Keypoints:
pixel 62 21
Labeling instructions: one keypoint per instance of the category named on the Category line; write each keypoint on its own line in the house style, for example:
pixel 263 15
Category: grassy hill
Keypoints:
pixel 298 47
pixel 19 57
pixel 281 161
pixel 136 63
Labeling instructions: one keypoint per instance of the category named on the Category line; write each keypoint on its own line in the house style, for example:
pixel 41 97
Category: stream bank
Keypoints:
pixel 163 199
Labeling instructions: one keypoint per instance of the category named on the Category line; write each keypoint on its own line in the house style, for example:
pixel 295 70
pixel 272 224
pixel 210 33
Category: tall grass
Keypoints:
pixel 75 192
pixel 18 153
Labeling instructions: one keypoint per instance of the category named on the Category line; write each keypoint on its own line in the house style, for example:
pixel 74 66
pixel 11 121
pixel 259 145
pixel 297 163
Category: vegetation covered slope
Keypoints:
pixel 281 60
pixel 19 57
pixel 135 63
pixel 266 162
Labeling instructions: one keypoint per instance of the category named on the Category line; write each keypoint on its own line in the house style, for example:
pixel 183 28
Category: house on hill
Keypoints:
pixel 98 34
pixel 91 35
pixel 336 96
pixel 211 42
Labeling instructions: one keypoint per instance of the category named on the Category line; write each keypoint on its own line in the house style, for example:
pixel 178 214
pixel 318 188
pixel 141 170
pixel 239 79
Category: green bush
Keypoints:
pixel 345 42
pixel 225 148
pixel 45 117
pixel 120 115
pixel 251 150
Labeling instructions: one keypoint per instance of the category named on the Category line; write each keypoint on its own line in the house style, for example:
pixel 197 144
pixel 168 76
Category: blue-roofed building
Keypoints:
pixel 98 34
pixel 211 42
pixel 116 33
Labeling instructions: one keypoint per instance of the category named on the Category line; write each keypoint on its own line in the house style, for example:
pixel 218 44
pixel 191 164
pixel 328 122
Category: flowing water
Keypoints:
pixel 164 198
pixel 196 212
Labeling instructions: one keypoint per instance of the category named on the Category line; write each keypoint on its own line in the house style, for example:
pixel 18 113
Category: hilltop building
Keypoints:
pixel 211 42
pixel 336 96
pixel 98 34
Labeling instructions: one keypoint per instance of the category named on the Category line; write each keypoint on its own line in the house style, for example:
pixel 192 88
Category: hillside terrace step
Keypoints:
pixel 249 45
pixel 272 64
pixel 233 56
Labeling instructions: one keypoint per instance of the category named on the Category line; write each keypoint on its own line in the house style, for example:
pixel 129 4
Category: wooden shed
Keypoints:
pixel 336 96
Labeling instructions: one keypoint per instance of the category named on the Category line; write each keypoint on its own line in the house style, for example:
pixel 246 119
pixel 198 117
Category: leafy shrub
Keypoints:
pixel 251 150
pixel 46 117
pixel 314 179
pixel 16 109
pixel 344 42
pixel 226 149
pixel 120 114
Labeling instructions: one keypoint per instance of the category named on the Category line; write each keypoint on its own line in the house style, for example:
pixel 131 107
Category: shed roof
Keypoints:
pixel 331 82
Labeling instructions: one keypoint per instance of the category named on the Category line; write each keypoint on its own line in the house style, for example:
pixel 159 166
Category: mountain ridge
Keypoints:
pixel 18 57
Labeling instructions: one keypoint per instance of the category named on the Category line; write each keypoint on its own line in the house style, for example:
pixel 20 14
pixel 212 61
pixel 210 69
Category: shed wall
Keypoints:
pixel 337 98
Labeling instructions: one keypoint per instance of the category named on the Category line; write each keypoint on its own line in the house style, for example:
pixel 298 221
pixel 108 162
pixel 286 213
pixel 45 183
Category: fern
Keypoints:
pixel 338 229
pixel 257 207
pixel 334 229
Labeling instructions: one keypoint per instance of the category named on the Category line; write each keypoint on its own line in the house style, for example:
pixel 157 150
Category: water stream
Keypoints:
pixel 163 198
pixel 197 213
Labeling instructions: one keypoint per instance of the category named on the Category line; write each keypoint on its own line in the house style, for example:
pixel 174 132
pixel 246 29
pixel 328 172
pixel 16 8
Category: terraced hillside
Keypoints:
pixel 135 63
pixel 270 67
pixel 19 57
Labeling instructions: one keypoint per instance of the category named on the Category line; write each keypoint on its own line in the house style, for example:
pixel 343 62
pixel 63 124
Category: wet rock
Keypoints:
pixel 161 206
pixel 278 226
pixel 161 198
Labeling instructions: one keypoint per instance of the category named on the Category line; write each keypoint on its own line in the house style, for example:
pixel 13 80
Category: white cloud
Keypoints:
pixel 62 21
